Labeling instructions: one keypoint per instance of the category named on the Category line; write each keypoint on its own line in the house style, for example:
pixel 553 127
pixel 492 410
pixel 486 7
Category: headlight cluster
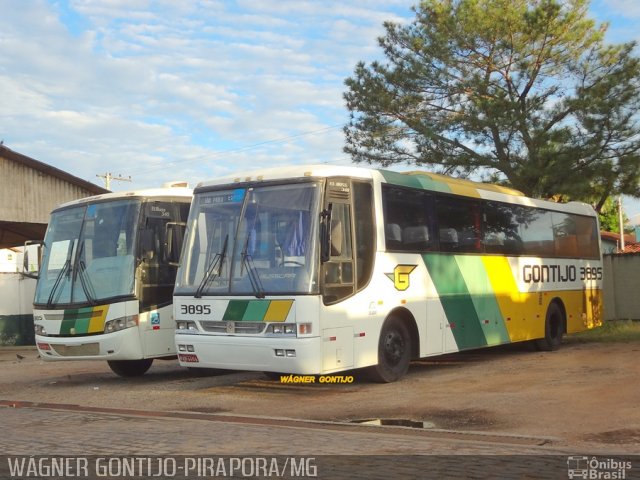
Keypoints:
pixel 186 325
pixel 39 329
pixel 120 323
pixel 282 329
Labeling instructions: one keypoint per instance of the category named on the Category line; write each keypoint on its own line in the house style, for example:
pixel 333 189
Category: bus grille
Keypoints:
pixel 84 350
pixel 222 326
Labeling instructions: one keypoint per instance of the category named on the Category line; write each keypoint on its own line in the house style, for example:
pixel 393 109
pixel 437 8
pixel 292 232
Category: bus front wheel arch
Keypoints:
pixel 554 328
pixel 394 351
pixel 130 368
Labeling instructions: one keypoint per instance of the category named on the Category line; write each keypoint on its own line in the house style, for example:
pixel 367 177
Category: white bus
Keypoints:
pixel 320 269
pixel 105 286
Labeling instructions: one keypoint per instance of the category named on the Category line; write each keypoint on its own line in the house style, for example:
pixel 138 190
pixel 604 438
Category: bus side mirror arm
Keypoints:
pixel 25 259
pixel 174 233
pixel 325 234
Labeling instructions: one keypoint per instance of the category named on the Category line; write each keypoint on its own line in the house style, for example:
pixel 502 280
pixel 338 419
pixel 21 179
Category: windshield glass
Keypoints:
pixel 89 254
pixel 251 241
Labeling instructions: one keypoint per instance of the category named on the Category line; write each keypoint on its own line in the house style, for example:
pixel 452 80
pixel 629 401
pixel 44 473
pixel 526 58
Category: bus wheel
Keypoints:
pixel 394 352
pixel 130 368
pixel 553 329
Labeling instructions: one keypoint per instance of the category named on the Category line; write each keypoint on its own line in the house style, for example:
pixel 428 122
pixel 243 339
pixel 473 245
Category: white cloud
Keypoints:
pixel 137 85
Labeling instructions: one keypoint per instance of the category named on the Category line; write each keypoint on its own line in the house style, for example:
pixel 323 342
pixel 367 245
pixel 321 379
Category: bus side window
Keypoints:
pixel 365 228
pixel 339 275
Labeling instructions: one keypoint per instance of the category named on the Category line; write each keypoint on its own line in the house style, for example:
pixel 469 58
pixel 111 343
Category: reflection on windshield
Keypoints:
pixel 269 230
pixel 89 254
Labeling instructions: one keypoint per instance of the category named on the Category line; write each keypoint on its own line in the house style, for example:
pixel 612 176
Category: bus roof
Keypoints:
pixel 415 179
pixel 146 193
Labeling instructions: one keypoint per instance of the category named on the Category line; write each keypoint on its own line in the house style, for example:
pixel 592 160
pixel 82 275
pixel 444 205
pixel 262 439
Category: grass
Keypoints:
pixel 612 331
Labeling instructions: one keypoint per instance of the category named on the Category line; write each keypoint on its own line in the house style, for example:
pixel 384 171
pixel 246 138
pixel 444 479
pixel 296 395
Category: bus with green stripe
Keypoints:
pixel 315 270
pixel 105 287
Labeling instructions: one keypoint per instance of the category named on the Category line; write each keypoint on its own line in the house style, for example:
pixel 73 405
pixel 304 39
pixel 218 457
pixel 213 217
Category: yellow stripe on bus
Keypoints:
pixel 523 313
pixel 278 310
pixel 98 316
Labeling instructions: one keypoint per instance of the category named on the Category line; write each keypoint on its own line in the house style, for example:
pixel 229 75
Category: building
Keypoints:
pixel 29 191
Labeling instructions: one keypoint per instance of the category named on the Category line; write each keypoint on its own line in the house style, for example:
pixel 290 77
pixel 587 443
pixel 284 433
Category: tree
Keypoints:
pixel 610 217
pixel 521 92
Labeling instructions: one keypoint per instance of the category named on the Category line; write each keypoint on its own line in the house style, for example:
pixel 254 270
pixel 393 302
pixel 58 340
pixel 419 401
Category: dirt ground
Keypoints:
pixel 583 396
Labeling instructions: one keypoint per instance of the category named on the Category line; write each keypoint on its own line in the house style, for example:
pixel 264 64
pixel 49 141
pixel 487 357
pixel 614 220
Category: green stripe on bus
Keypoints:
pixel 484 300
pixel 256 310
pixel 235 310
pixel 67 325
pixel 416 181
pixel 428 183
pixel 456 300
pixel 401 179
pixel 82 325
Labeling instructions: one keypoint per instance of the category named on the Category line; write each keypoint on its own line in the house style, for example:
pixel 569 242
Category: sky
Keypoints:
pixel 190 90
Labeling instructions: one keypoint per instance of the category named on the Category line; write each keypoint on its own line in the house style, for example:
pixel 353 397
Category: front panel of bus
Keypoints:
pixel 260 262
pixel 104 290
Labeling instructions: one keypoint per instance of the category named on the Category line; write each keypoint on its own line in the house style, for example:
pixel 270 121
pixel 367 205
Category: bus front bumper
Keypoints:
pixel 264 354
pixel 121 345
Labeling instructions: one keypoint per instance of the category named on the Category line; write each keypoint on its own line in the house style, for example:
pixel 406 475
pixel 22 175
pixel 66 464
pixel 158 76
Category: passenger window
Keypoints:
pixel 458 224
pixel 407 220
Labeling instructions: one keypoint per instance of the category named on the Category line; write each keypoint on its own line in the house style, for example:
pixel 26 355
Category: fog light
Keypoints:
pixel 279 352
pixel 304 329
pixel 290 353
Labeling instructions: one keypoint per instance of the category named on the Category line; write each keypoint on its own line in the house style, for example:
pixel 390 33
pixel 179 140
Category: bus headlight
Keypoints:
pixel 282 329
pixel 39 329
pixel 186 325
pixel 120 323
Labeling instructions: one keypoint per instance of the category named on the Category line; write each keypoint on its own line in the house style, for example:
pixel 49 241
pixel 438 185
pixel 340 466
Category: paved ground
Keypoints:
pixel 582 400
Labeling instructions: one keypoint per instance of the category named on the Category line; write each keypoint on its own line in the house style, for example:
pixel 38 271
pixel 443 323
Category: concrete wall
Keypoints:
pixel 16 309
pixel 622 287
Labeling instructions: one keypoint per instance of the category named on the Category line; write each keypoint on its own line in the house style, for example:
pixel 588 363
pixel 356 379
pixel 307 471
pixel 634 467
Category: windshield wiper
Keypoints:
pixel 66 268
pixel 254 278
pixel 213 270
pixel 85 281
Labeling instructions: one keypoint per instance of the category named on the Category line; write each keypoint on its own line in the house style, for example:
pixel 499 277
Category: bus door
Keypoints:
pixel 337 273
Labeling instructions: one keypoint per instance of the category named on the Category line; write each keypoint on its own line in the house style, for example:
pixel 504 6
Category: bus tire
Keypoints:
pixel 394 352
pixel 553 329
pixel 130 368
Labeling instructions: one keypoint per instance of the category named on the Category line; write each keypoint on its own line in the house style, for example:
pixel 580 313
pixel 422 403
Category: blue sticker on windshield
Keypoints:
pixel 238 195
pixel 91 211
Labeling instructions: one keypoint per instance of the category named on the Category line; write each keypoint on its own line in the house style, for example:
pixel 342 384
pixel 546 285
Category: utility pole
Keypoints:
pixel 108 177
pixel 620 219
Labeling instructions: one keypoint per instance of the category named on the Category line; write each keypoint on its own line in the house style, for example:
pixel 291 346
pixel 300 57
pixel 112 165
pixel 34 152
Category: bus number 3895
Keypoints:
pixel 195 309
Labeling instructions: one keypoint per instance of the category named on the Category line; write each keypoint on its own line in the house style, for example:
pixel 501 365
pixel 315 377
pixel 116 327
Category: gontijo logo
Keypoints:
pixel 400 276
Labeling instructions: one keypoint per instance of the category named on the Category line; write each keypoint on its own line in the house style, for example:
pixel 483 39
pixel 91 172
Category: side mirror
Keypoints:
pixel 174 234
pixel 27 267
pixel 325 234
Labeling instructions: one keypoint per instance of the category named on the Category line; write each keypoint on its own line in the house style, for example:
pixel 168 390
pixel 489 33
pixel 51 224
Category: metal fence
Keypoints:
pixel 622 287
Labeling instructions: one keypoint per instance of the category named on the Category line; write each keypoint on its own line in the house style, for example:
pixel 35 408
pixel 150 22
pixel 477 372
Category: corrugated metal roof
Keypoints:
pixel 9 154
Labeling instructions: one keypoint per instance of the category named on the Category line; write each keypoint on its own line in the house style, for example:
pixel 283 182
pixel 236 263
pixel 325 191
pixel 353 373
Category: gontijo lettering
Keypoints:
pixel 559 273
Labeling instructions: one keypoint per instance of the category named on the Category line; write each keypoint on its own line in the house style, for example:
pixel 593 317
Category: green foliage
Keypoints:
pixel 525 92
pixel 612 331
pixel 610 219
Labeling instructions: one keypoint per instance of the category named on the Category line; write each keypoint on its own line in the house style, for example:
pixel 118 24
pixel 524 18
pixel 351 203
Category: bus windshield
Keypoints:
pixel 252 241
pixel 89 254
